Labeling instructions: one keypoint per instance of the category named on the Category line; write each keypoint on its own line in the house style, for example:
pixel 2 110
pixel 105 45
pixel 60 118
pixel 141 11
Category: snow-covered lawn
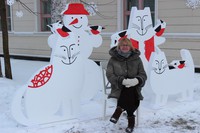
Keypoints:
pixel 175 117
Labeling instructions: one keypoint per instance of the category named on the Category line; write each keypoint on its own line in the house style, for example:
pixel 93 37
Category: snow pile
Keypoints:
pixel 176 117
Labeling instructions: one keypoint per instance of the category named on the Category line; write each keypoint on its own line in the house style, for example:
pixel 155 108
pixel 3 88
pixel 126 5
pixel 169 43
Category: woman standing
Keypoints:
pixel 127 76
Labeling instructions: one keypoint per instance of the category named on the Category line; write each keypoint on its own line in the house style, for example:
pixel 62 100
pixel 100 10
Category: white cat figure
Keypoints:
pixel 53 93
pixel 143 35
pixel 165 81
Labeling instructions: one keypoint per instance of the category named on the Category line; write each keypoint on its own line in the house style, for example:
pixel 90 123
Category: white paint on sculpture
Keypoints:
pixel 115 38
pixel 146 37
pixel 142 34
pixel 53 94
pixel 75 18
pixel 165 82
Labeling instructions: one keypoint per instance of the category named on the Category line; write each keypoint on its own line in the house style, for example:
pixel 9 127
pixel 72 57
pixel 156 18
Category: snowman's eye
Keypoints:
pixel 72 17
pixel 81 17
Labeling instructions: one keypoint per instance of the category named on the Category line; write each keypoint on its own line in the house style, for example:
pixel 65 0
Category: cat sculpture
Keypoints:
pixel 53 93
pixel 165 82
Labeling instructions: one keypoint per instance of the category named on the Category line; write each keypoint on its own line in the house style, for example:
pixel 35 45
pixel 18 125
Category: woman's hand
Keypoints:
pixel 130 82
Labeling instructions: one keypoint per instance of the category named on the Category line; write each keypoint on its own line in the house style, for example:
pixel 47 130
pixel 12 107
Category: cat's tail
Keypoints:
pixel 17 108
pixel 187 57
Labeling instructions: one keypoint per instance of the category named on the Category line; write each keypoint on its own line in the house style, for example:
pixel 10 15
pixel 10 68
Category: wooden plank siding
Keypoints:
pixel 172 48
pixel 182 31
pixel 28 45
pixel 25 23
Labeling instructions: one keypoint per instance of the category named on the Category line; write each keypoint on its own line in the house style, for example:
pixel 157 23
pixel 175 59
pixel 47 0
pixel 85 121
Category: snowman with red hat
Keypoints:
pixel 75 18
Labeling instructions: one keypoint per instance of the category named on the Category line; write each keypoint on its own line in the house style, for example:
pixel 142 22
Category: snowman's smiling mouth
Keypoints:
pixel 77 27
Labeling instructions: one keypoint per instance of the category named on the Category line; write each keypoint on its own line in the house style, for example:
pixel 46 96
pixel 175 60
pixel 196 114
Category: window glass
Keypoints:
pixel 151 4
pixel 45 22
pixel 46 7
pixel 45 14
pixel 131 3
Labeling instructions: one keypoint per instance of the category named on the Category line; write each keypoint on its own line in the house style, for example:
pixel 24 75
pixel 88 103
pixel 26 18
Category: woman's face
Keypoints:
pixel 125 47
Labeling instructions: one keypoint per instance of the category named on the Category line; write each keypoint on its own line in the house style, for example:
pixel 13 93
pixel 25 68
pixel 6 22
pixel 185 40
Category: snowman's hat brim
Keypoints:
pixel 76 9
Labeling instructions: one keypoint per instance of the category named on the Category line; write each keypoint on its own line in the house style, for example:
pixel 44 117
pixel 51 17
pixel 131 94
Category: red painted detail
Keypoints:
pixel 95 32
pixel 75 21
pixel 149 47
pixel 160 32
pixel 122 37
pixel 181 66
pixel 42 78
pixel 62 33
pixel 135 43
pixel 76 8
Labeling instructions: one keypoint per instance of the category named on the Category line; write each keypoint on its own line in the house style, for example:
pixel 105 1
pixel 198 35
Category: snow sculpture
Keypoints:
pixel 147 38
pixel 165 81
pixel 53 93
pixel 75 19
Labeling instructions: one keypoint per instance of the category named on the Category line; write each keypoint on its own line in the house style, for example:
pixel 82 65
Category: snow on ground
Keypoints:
pixel 175 117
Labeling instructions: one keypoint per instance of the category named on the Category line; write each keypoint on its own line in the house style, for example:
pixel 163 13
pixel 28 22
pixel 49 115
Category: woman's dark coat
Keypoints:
pixel 119 68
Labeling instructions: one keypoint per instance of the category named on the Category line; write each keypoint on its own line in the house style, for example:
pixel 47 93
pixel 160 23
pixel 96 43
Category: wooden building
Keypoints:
pixel 28 34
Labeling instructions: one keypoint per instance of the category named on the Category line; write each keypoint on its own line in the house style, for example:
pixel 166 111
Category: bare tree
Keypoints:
pixel 57 6
pixel 1 75
pixel 8 73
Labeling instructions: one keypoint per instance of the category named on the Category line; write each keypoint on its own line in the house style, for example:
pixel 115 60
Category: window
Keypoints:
pixel 8 14
pixel 140 4
pixel 45 14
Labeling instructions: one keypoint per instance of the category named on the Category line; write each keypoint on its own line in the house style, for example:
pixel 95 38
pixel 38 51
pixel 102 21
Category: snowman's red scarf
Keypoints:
pixel 149 46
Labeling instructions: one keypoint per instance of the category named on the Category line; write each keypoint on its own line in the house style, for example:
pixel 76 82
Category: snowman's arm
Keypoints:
pixel 94 29
pixel 95 40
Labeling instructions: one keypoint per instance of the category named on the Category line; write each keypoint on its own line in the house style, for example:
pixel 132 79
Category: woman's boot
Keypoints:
pixel 131 124
pixel 114 118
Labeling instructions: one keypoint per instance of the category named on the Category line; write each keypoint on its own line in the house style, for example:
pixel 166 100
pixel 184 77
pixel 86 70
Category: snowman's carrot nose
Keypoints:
pixel 74 21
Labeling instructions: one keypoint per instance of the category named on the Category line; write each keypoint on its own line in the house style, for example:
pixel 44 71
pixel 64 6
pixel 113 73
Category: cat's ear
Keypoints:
pixel 134 8
pixel 147 9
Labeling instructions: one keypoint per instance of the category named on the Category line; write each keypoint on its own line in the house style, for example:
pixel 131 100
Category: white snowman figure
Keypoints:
pixel 53 93
pixel 75 18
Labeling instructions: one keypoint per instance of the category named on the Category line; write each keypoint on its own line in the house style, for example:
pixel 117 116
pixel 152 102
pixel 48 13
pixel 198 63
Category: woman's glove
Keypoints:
pixel 130 82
